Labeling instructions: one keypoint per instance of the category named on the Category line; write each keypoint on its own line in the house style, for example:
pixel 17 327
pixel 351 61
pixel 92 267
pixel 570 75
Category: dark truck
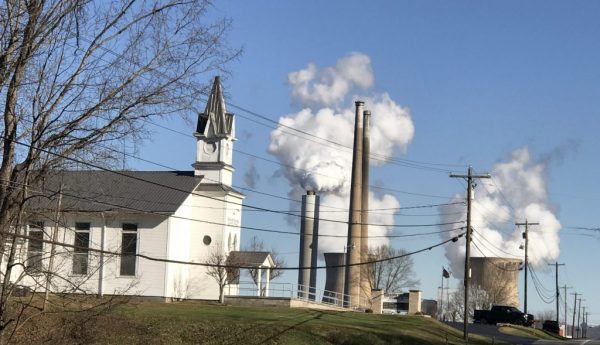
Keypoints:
pixel 502 314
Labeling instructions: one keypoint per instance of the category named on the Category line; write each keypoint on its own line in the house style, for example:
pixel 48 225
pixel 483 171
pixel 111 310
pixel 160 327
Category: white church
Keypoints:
pixel 138 216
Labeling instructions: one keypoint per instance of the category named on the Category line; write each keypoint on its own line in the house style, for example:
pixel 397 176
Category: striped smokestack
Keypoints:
pixel 309 236
pixel 364 217
pixel 353 248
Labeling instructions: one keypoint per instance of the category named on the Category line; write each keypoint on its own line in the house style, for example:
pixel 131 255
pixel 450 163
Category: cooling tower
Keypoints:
pixel 499 277
pixel 334 279
pixel 309 236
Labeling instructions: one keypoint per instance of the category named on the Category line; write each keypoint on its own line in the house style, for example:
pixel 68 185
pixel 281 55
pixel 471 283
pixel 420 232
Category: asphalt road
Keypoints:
pixel 492 331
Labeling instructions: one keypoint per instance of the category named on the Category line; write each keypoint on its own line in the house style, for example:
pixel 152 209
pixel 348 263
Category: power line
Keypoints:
pixel 494 246
pixel 123 174
pixel 93 200
pixel 538 285
pixel 379 157
pixel 151 258
pixel 492 262
pixel 298 169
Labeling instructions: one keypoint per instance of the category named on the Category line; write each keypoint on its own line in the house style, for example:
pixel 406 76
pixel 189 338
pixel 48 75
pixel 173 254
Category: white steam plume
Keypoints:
pixel 323 167
pixel 328 86
pixel 516 192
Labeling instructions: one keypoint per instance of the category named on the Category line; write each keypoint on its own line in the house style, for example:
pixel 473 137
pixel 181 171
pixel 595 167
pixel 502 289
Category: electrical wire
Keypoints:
pixel 191 263
pixel 493 245
pixel 299 169
pixel 306 136
pixel 123 174
pixel 118 206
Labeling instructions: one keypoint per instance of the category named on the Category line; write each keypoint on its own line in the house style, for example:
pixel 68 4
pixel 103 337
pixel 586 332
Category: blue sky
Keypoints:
pixel 481 79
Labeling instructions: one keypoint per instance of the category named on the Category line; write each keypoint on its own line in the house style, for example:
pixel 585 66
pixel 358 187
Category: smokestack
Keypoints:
pixel 364 215
pixel 352 273
pixel 334 278
pixel 309 238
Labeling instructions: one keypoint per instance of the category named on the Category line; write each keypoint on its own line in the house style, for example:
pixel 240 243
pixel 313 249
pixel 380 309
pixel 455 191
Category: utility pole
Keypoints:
pixel 467 274
pixel 526 237
pixel 557 291
pixel 574 313
pixel 566 322
pixel 579 316
pixel 583 322
pixel 585 318
pixel 441 309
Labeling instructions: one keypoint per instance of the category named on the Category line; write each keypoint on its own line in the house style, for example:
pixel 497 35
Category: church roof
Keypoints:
pixel 129 191
pixel 251 258
pixel 215 119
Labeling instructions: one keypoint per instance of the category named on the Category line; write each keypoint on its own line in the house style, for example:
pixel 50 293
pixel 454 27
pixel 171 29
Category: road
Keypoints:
pixel 492 331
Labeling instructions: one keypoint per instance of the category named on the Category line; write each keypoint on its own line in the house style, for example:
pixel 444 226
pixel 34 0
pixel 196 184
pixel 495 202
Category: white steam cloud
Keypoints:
pixel 517 192
pixel 324 167
pixel 328 86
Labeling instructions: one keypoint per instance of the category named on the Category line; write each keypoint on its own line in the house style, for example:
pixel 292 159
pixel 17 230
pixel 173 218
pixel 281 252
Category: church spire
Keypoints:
pixel 215 120
pixel 215 134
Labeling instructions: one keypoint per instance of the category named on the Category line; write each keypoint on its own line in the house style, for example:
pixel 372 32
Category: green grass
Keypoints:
pixel 189 322
pixel 529 332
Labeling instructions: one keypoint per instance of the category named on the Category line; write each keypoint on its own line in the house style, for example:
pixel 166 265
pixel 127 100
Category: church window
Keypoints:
pixel 35 246
pixel 81 250
pixel 128 249
pixel 207 240
pixel 229 242
pixel 235 242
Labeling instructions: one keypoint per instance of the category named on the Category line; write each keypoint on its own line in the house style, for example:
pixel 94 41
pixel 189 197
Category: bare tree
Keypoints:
pixel 546 315
pixel 478 299
pixel 257 245
pixel 223 271
pixel 77 77
pixel 390 275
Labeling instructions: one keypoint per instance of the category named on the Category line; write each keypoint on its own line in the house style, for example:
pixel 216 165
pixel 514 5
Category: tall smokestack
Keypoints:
pixel 352 274
pixel 364 215
pixel 334 278
pixel 309 238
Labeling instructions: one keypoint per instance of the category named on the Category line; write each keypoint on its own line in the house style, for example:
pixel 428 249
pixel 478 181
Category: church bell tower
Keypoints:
pixel 215 134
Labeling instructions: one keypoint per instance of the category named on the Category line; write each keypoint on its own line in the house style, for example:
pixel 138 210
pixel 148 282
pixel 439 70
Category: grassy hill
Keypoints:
pixel 529 332
pixel 200 323
pixel 196 323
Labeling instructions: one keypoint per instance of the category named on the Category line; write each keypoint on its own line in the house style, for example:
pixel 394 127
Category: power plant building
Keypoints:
pixel 499 277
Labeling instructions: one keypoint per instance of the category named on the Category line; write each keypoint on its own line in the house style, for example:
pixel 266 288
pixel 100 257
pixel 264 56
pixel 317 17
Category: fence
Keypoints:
pixel 293 291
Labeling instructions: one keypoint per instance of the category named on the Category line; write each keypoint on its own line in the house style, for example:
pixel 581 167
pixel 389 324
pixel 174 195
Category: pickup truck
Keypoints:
pixel 502 314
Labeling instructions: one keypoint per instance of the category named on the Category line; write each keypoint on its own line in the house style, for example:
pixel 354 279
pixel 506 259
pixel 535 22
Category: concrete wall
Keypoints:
pixel 377 297
pixel 281 302
pixel 414 301
pixel 499 277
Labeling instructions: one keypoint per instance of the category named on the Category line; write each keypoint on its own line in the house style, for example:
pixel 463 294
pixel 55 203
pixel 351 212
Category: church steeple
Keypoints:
pixel 215 134
pixel 215 117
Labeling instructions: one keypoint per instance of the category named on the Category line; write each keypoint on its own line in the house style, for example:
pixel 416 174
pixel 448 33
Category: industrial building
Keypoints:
pixel 403 303
pixel 499 277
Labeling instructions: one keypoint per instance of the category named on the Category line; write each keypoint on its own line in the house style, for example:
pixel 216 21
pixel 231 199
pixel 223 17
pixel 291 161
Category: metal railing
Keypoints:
pixel 294 291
